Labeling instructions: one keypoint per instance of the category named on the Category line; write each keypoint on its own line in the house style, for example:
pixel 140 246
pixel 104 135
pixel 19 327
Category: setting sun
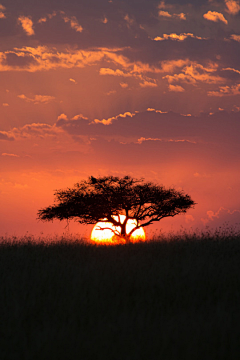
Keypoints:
pixel 106 235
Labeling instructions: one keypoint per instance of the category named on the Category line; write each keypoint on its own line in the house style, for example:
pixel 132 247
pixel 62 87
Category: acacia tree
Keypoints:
pixel 104 198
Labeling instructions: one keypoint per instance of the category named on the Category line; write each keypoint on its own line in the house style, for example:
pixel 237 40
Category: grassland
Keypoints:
pixel 170 299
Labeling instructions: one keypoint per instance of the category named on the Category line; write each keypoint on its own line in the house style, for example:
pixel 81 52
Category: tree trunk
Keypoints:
pixel 124 234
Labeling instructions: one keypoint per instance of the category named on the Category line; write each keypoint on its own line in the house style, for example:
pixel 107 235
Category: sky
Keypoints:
pixel 144 88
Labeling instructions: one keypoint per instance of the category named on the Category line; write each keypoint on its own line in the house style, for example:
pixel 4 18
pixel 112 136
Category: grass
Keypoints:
pixel 174 298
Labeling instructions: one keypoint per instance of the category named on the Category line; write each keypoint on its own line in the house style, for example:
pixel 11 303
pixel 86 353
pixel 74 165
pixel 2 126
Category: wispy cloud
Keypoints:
pixel 129 20
pixel 215 16
pixel 226 91
pixel 27 25
pixel 146 83
pixel 10 155
pixel 110 120
pixel 170 66
pixel 232 6
pixel 231 69
pixel 166 14
pixel 44 99
pixel 235 37
pixel 6 136
pixel 124 85
pixel 44 58
pixel 117 72
pixel 176 88
pixel 45 18
pixel 42 20
pixel 105 20
pixel 39 130
pixel 73 23
pixel 195 73
pixel 135 70
pixel 163 5
pixel 72 80
pixel 142 139
pixel 174 36
pixel 2 9
pixel 220 214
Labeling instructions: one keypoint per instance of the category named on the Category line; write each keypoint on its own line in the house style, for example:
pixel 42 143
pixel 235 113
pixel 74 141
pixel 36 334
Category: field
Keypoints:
pixel 172 298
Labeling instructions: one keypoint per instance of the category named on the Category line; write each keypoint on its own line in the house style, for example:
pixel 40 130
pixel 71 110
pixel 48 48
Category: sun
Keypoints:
pixel 106 236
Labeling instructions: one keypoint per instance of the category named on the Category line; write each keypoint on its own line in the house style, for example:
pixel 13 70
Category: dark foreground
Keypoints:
pixel 161 300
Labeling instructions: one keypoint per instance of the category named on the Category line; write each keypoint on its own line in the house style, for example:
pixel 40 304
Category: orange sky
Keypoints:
pixel 113 88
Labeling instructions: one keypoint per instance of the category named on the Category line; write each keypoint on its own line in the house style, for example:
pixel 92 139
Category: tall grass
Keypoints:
pixel 176 297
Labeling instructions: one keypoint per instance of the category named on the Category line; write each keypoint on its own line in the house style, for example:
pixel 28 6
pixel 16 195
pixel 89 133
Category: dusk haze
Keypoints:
pixel 119 179
pixel 148 89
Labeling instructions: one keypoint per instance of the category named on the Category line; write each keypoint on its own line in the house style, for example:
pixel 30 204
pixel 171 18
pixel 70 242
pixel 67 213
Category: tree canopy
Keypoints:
pixel 103 198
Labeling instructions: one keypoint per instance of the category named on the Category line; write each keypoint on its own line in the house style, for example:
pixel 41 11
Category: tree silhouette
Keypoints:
pixel 104 198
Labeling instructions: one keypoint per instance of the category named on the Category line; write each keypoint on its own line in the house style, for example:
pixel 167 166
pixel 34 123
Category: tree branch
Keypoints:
pixel 116 232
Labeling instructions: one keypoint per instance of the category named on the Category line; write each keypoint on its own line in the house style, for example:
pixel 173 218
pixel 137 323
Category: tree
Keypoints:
pixel 104 198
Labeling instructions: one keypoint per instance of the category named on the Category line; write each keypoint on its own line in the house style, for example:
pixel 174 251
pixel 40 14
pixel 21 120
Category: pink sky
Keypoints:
pixel 114 88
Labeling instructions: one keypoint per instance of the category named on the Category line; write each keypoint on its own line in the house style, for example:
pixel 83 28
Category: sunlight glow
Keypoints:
pixel 106 236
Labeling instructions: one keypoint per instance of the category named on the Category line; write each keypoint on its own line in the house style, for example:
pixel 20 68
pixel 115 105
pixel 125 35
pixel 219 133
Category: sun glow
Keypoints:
pixel 107 236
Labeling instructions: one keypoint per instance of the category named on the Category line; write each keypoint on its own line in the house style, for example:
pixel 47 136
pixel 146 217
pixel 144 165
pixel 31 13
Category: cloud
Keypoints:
pixel 181 16
pixel 142 139
pixel 176 88
pixel 128 20
pixel 163 5
pixel 63 117
pixel 166 14
pixel 111 92
pixel 170 66
pixel 235 37
pixel 42 20
pixel 44 99
pixel 27 25
pixel 73 23
pixel 5 104
pixel 72 80
pixel 13 60
pixel 179 37
pixel 215 16
pixel 6 136
pixel 132 69
pixel 194 73
pixel 109 121
pixel 44 58
pixel 221 215
pixel 76 117
pixel 220 127
pixel 11 155
pixel 49 16
pixel 226 91
pixel 35 130
pixel 107 71
pixel 104 21
pixel 233 7
pixel 157 111
pixel 124 85
pixel 231 69
pixel 2 15
pixel 148 84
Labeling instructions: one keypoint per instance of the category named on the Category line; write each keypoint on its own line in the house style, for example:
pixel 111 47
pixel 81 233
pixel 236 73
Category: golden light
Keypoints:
pixel 106 236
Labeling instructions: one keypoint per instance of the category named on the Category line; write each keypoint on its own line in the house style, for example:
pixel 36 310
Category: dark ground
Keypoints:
pixel 167 300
